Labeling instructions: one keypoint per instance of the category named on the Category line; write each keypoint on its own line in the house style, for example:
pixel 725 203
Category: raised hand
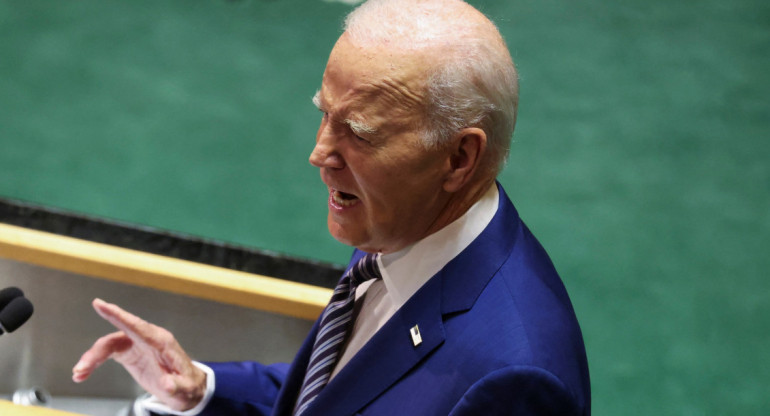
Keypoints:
pixel 150 354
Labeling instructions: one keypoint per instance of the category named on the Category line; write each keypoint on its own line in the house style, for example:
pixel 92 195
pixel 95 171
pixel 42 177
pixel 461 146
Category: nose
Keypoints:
pixel 326 154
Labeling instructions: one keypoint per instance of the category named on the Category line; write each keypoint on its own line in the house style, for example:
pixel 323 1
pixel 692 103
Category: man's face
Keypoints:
pixel 385 188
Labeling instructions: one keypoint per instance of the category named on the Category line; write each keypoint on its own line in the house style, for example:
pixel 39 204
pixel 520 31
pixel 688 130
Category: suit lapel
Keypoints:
pixel 468 274
pixel 287 396
pixel 389 355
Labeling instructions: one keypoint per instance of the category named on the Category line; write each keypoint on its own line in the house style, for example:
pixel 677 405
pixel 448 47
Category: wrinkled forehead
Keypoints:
pixel 375 77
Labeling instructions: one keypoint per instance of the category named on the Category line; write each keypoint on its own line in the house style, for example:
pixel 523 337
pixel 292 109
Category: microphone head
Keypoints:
pixel 15 314
pixel 8 294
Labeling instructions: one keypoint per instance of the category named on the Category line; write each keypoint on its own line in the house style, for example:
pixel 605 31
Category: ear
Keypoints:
pixel 467 148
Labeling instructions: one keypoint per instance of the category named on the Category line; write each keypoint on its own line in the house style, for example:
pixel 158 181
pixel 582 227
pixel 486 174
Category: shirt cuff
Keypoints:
pixel 149 403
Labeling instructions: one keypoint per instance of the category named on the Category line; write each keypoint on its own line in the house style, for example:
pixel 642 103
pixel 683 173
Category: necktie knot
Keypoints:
pixel 366 269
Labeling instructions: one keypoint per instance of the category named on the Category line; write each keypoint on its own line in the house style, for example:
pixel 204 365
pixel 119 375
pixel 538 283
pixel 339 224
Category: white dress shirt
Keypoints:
pixel 403 273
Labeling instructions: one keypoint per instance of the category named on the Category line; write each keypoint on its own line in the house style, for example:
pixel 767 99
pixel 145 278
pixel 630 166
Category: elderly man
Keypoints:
pixel 450 305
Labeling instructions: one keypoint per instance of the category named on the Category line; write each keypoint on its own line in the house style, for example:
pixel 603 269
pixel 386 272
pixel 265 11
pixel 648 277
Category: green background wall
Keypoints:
pixel 640 159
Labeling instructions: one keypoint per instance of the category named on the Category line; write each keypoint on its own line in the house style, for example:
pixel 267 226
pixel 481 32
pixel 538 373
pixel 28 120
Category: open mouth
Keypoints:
pixel 343 199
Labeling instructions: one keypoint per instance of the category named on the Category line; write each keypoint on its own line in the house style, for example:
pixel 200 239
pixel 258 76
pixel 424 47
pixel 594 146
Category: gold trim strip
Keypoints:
pixel 162 273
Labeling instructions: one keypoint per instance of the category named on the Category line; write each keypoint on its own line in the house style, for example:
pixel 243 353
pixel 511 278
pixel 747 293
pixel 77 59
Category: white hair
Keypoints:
pixel 473 82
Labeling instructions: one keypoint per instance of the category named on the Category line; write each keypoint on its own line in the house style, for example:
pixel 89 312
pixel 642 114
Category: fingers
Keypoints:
pixel 126 322
pixel 149 353
pixel 132 329
pixel 136 328
pixel 100 352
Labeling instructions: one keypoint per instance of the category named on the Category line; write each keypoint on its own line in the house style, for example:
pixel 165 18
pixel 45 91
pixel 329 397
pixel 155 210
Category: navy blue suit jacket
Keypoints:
pixel 499 338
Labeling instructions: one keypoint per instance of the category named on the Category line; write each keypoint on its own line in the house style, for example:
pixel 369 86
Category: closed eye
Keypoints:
pixel 359 129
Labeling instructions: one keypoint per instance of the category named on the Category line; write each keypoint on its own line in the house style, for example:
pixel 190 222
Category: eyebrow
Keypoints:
pixel 358 127
pixel 317 99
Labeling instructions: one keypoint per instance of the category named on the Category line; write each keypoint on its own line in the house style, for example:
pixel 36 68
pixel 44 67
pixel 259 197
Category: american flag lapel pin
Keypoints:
pixel 416 338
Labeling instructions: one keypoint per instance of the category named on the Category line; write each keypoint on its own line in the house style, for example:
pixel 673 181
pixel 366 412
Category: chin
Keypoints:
pixel 341 234
pixel 353 238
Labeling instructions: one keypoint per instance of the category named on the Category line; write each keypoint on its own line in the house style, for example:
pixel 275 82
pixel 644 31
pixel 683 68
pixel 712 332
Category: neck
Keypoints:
pixel 455 206
pixel 459 203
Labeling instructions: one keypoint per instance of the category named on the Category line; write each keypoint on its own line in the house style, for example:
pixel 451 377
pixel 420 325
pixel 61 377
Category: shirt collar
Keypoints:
pixel 405 271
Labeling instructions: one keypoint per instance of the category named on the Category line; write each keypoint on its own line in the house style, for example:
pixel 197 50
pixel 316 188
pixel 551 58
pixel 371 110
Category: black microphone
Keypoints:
pixel 8 294
pixel 15 313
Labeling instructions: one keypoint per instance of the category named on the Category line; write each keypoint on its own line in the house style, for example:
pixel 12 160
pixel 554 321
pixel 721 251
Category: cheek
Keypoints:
pixel 397 197
pixel 395 182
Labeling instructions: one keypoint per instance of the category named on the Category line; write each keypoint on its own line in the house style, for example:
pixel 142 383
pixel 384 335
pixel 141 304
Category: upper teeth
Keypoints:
pixel 338 199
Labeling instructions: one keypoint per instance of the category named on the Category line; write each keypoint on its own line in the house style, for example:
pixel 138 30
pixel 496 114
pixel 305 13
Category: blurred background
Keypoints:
pixel 641 159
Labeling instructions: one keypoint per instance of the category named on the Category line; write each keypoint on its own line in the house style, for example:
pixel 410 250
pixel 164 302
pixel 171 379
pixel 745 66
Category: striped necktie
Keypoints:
pixel 333 328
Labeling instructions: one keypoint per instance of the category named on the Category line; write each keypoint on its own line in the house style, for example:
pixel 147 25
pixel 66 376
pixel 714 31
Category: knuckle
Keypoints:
pixel 165 337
